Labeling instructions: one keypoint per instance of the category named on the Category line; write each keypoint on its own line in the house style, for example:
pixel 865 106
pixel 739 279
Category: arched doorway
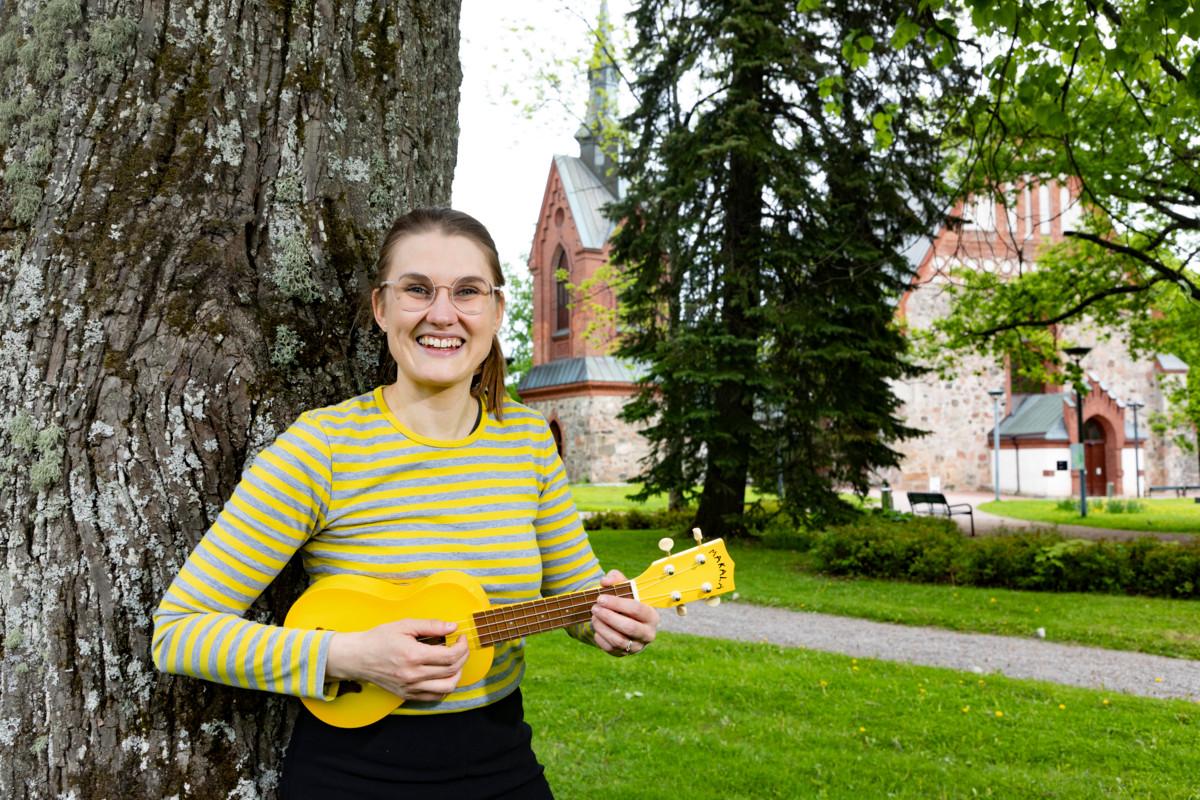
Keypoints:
pixel 1094 458
pixel 556 432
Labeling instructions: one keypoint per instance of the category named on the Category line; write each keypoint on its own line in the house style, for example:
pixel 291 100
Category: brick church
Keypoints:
pixel 581 388
pixel 574 382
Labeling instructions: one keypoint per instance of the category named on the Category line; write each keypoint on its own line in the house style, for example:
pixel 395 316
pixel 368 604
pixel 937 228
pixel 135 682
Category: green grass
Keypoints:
pixel 595 497
pixel 767 576
pixel 1168 515
pixel 692 717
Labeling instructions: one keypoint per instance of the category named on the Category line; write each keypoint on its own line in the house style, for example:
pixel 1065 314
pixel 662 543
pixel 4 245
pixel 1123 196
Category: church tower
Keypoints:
pixel 574 382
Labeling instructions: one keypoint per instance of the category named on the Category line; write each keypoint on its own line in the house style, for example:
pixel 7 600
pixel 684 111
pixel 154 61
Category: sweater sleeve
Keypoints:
pixel 568 563
pixel 199 627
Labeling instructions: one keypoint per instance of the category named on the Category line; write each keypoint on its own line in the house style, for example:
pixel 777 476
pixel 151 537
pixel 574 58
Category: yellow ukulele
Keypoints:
pixel 358 602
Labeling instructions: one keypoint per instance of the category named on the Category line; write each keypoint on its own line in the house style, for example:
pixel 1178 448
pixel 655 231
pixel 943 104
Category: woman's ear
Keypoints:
pixel 379 308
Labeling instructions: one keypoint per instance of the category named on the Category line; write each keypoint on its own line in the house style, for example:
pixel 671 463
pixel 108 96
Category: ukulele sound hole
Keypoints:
pixel 348 687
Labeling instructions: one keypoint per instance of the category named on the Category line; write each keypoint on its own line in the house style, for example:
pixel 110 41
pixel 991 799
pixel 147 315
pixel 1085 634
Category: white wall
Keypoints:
pixel 1032 462
pixel 1129 487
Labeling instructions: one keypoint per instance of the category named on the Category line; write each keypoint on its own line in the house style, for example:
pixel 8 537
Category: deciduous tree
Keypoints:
pixel 193 196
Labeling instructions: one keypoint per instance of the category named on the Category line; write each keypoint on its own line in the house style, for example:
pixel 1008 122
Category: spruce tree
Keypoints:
pixel 781 159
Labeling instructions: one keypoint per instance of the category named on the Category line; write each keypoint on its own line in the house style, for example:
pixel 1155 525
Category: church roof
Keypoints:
pixel 587 197
pixel 1039 416
pixel 1171 363
pixel 590 369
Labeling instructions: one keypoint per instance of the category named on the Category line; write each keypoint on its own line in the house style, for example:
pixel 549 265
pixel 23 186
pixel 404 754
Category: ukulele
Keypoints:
pixel 359 602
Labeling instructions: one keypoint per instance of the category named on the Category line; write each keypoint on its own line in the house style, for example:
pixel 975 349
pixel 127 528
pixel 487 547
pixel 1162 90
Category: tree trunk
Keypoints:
pixel 193 196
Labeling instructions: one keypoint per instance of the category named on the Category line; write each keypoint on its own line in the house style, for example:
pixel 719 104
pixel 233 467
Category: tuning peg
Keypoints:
pixel 699 537
pixel 713 601
pixel 681 610
pixel 665 544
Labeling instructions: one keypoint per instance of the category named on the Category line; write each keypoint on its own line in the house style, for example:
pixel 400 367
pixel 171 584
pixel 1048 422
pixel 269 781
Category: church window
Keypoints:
pixel 562 297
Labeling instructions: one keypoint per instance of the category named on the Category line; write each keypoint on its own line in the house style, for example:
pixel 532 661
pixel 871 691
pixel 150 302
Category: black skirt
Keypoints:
pixel 476 754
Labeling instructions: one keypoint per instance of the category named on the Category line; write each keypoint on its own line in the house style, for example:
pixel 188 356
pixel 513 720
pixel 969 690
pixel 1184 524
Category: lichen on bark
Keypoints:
pixel 150 153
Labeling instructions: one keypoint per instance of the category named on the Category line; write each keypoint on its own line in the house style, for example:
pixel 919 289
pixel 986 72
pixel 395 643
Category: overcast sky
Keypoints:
pixel 504 151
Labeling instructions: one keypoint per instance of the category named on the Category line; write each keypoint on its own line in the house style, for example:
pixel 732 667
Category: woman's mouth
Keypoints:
pixel 440 344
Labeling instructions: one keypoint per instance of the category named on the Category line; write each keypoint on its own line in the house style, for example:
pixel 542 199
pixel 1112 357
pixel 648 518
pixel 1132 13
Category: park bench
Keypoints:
pixel 1180 490
pixel 935 503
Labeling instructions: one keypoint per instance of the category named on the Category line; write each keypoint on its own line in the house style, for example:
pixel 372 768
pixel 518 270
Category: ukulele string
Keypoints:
pixel 557 615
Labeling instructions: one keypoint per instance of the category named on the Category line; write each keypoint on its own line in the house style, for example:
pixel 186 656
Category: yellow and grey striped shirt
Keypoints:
pixel 355 491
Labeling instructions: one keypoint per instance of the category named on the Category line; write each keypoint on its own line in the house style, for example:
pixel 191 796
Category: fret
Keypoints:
pixel 507 622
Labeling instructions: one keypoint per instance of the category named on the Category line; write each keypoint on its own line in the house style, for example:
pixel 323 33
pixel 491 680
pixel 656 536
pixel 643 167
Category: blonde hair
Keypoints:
pixel 489 381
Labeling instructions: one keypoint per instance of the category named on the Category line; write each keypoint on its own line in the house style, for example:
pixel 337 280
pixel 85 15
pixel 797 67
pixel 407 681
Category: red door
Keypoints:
pixel 1094 460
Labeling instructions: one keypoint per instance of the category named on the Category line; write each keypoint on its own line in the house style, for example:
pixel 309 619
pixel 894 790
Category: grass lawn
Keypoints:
pixel 780 578
pixel 706 718
pixel 594 497
pixel 1168 515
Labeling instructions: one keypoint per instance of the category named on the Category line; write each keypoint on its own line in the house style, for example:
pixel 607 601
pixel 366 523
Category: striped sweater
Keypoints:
pixel 355 491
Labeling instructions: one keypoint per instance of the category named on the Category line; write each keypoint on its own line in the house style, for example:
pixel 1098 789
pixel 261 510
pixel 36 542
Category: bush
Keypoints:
pixel 639 520
pixel 930 550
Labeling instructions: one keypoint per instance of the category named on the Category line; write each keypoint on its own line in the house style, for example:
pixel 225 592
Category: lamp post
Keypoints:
pixel 996 395
pixel 1137 469
pixel 1076 354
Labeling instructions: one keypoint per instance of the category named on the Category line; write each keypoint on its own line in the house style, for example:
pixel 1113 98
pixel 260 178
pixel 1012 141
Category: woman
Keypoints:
pixel 435 471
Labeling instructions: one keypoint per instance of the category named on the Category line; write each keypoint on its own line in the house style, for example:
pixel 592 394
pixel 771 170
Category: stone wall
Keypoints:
pixel 597 446
pixel 958 413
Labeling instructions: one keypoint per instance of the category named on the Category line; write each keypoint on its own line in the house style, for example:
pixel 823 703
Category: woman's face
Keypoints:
pixel 438 347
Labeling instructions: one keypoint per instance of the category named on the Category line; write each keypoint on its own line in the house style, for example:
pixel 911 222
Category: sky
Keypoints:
pixel 509 130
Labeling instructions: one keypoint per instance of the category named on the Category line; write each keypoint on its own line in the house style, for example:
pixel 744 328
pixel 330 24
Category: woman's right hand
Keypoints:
pixel 391 657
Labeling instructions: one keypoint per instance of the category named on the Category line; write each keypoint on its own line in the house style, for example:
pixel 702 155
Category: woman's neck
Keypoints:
pixel 447 415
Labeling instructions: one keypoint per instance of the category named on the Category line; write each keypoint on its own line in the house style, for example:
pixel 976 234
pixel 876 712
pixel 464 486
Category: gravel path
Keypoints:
pixel 1089 667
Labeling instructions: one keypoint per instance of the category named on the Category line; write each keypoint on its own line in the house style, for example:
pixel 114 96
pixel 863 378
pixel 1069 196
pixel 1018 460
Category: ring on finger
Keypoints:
pixel 629 646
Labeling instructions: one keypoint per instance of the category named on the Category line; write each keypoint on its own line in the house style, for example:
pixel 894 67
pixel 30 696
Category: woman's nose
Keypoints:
pixel 442 309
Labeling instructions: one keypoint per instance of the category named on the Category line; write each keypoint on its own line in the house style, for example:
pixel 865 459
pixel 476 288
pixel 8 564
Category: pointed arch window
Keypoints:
pixel 562 297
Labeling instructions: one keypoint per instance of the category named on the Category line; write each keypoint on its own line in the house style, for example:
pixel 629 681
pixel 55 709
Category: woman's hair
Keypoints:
pixel 489 381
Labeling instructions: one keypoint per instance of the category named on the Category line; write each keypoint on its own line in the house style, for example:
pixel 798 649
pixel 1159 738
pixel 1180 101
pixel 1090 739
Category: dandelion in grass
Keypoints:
pixel 999 714
pixel 966 709
pixel 1062 707
pixel 1158 680
pixel 982 683
pixel 1104 701
pixel 991 600
pixel 861 729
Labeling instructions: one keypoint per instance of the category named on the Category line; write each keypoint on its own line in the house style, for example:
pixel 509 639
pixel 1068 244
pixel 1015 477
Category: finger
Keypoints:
pixel 613 576
pixel 627 607
pixel 418 628
pixel 610 640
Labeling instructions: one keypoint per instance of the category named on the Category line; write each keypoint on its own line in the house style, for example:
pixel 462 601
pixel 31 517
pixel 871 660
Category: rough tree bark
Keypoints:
pixel 192 197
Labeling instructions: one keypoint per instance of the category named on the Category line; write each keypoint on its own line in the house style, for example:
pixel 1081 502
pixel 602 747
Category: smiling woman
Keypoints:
pixel 436 471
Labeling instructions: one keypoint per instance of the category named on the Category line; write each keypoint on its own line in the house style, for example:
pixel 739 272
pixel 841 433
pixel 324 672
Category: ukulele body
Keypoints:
pixel 348 603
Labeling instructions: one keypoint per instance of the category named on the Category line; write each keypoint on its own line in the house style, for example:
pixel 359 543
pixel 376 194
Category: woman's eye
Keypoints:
pixel 467 291
pixel 417 290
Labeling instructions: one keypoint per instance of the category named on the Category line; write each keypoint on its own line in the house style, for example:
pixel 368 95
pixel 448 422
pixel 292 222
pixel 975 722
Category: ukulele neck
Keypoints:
pixel 504 623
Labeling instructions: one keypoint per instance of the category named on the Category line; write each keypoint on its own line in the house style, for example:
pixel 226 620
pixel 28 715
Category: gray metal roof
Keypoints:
pixel 1170 363
pixel 587 196
pixel 592 369
pixel 1039 416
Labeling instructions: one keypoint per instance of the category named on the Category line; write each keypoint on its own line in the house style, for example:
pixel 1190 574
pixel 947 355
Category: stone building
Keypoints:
pixel 574 381
pixel 1038 423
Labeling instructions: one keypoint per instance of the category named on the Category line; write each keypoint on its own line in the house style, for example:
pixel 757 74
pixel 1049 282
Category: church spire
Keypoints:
pixel 602 105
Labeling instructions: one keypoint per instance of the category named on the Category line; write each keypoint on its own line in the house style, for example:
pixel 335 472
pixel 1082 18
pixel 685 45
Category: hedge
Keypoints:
pixel 933 551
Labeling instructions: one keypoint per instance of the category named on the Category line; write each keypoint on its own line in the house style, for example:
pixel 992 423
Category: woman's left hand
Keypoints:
pixel 623 626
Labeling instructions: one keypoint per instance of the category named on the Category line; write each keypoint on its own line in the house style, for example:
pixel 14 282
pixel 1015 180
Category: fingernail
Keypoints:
pixel 603 600
pixel 450 626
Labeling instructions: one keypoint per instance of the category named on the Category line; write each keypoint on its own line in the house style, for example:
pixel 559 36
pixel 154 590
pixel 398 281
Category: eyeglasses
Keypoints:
pixel 417 292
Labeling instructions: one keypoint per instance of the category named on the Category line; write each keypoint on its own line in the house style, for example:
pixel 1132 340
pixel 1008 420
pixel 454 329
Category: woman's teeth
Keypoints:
pixel 444 344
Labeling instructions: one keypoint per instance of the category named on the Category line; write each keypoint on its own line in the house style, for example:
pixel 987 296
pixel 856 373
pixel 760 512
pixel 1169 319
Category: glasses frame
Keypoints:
pixel 493 289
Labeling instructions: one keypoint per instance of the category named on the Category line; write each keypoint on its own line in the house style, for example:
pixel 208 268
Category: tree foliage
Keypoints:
pixel 780 159
pixel 1106 94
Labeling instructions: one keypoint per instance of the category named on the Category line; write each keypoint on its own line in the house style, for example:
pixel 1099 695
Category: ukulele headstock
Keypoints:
pixel 704 572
